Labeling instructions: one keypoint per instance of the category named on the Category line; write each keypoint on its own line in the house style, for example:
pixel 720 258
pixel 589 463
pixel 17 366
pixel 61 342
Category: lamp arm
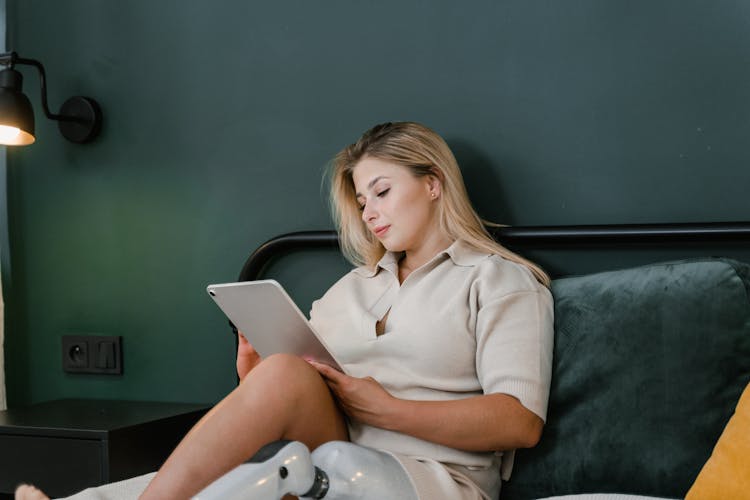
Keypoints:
pixel 43 88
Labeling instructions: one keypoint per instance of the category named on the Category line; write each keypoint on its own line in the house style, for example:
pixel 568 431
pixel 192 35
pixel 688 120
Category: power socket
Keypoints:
pixel 92 354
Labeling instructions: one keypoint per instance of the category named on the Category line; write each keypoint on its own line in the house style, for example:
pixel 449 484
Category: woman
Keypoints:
pixel 445 334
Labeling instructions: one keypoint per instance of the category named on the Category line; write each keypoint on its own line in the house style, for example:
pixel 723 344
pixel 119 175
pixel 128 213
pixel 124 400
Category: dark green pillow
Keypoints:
pixel 648 365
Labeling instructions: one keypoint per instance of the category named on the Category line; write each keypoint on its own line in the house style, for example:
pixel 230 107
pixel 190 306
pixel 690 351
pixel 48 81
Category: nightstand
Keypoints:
pixel 68 445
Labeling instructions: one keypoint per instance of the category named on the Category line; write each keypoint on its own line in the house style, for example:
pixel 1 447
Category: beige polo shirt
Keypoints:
pixel 464 324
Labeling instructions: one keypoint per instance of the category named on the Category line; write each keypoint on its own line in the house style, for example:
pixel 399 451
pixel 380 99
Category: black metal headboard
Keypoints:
pixel 530 236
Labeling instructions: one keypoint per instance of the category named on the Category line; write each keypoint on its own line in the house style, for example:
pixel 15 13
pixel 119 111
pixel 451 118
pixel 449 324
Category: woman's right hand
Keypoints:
pixel 247 356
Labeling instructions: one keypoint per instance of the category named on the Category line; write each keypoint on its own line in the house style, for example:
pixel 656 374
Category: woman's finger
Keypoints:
pixel 329 373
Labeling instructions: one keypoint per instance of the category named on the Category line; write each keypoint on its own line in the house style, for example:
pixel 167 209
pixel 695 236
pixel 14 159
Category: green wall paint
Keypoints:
pixel 221 116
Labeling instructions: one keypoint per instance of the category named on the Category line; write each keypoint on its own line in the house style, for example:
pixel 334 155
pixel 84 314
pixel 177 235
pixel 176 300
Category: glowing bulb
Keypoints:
pixel 14 136
pixel 9 134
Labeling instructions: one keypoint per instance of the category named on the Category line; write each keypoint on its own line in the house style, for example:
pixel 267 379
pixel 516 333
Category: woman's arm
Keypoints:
pixel 480 423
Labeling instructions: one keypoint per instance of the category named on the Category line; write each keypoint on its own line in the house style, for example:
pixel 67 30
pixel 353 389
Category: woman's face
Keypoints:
pixel 397 207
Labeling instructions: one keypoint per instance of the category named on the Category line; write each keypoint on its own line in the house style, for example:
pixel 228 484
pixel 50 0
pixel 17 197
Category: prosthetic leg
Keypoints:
pixel 335 471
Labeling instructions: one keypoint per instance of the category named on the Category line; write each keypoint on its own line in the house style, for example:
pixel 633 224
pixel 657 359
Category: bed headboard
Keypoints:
pixel 527 237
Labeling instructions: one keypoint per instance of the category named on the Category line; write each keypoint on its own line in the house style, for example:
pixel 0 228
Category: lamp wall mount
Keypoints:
pixel 79 118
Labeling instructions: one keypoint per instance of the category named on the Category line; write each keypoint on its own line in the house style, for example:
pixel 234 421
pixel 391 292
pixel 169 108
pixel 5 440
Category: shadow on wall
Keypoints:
pixel 482 182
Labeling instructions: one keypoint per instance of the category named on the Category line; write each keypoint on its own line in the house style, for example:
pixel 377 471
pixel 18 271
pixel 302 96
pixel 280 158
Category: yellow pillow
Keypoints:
pixel 726 475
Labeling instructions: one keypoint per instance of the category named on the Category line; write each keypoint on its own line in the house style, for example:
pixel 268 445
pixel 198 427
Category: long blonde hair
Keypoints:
pixel 423 152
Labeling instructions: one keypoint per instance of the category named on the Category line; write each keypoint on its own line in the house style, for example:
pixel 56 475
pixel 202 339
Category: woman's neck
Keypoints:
pixel 414 259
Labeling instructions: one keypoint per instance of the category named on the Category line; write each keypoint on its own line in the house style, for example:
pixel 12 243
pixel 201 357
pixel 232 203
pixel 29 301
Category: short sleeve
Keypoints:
pixel 514 334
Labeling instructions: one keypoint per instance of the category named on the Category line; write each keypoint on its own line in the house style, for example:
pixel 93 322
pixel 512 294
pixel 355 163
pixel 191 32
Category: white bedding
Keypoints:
pixel 129 489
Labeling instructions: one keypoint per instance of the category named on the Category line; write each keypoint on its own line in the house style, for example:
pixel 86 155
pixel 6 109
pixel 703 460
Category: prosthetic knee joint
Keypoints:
pixel 335 471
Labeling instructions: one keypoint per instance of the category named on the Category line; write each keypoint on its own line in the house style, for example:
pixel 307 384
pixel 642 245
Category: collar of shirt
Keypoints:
pixel 460 252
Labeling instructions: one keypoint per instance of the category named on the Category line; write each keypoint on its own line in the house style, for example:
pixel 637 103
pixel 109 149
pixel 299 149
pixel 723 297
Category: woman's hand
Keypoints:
pixel 488 422
pixel 247 356
pixel 362 399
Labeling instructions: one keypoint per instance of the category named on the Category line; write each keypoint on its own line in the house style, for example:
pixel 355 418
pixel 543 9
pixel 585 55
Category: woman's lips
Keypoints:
pixel 380 230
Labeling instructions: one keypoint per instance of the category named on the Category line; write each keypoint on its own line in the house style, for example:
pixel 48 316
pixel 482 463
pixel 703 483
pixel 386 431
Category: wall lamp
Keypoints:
pixel 79 119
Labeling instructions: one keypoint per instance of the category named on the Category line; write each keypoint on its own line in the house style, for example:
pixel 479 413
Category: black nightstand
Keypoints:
pixel 68 445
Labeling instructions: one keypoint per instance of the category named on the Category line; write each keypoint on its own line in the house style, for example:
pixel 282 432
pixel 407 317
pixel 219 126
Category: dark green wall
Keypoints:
pixel 221 116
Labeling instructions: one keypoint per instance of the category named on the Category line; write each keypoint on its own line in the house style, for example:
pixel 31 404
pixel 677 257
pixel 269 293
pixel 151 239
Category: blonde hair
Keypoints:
pixel 424 153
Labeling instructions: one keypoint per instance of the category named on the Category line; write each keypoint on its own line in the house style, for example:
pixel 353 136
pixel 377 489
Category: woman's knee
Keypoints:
pixel 295 389
pixel 286 374
pixel 283 367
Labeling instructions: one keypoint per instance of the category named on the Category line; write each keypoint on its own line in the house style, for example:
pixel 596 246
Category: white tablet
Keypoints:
pixel 270 320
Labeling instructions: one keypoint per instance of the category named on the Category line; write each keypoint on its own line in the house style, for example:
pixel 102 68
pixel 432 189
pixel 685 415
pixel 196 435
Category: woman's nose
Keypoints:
pixel 368 214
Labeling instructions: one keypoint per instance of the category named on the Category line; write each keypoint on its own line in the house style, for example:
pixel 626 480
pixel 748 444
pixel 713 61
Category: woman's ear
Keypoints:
pixel 434 186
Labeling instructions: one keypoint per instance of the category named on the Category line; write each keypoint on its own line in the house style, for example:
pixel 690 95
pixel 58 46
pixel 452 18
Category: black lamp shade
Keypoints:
pixel 16 113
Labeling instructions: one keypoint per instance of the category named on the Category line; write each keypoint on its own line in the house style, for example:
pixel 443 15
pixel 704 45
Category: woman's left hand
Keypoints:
pixel 362 399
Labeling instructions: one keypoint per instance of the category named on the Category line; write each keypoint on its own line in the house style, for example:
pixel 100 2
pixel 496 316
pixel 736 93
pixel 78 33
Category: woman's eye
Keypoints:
pixel 383 192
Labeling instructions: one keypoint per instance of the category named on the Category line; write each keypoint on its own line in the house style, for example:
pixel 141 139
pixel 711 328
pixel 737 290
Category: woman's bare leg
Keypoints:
pixel 28 492
pixel 281 398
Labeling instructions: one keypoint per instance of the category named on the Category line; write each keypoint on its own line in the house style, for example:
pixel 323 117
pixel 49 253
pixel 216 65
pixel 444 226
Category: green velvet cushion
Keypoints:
pixel 649 365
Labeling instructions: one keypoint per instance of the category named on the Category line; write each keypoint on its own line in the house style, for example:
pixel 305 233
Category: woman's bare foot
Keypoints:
pixel 28 492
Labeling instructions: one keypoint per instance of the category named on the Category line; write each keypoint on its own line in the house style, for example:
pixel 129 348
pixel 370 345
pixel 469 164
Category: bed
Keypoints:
pixel 650 360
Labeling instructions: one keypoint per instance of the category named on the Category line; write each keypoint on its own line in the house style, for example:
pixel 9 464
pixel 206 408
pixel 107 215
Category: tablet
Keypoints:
pixel 270 320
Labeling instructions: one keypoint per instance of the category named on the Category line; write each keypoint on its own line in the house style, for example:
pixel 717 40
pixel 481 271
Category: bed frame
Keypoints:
pixel 529 236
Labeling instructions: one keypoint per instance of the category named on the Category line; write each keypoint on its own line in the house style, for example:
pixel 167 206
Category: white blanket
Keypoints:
pixel 129 489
